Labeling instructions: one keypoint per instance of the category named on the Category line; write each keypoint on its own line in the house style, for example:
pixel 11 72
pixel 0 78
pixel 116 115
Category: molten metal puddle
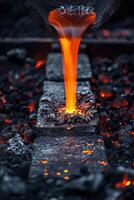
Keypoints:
pixel 70 27
pixel 85 110
pixel 52 110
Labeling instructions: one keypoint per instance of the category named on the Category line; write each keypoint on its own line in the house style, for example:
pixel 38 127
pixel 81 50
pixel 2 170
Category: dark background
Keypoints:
pixel 14 21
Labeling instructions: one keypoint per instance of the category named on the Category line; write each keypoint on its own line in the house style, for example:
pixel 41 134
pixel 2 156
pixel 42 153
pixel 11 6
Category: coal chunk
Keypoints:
pixel 17 55
pixel 16 145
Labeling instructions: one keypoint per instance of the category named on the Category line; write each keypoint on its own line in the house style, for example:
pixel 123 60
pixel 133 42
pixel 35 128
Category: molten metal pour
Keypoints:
pixel 70 27
pixel 71 18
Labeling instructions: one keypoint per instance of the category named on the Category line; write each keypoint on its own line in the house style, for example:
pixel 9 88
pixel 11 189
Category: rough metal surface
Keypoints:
pixel 67 143
pixel 53 98
pixel 64 155
pixel 54 67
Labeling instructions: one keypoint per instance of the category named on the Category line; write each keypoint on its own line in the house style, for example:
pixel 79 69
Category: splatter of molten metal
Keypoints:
pixel 70 28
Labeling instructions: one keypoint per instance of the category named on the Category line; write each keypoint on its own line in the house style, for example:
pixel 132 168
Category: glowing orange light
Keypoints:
pixel 7 121
pixel 88 152
pixel 70 29
pixel 132 133
pixel 76 112
pixel 31 106
pixel 66 178
pixel 68 127
pixel 106 94
pixel 39 64
pixel 104 163
pixel 124 183
pixel 43 162
pixel 58 174
pixel 46 173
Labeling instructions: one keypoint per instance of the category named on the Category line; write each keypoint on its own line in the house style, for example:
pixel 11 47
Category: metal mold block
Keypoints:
pixel 54 67
pixel 48 113
pixel 64 155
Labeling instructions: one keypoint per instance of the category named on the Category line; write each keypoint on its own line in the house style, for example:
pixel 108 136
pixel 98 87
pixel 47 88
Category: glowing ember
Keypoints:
pixel 70 28
pixel 8 121
pixel 58 174
pixel 124 183
pixel 77 112
pixel 88 151
pixel 85 111
pixel 31 106
pixel 39 64
pixel 132 133
pixel 46 173
pixel 66 178
pixel 104 163
pixel 106 94
pixel 43 162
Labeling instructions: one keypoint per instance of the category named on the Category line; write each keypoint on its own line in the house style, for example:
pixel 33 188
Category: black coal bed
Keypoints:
pixel 21 140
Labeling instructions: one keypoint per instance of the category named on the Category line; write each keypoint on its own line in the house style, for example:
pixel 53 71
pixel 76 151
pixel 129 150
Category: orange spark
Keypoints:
pixel 87 152
pixel 66 178
pixel 106 94
pixel 58 174
pixel 70 29
pixel 79 111
pixel 31 106
pixel 43 162
pixel 39 64
pixel 124 183
pixel 46 173
pixel 104 163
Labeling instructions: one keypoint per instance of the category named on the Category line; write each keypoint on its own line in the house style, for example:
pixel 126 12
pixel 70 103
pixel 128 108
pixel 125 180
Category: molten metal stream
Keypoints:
pixel 70 29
